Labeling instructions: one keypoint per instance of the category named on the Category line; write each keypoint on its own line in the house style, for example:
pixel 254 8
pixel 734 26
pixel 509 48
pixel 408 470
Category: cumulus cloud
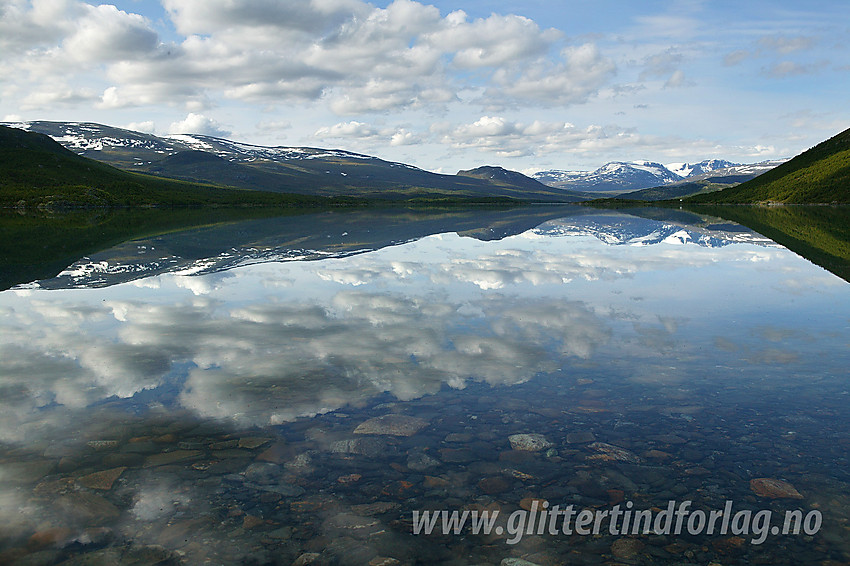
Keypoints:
pixel 147 126
pixel 198 124
pixel 352 55
pixel 360 131
pixel 211 16
pixel 572 79
pixel 512 139
pixel 106 33
pixel 491 42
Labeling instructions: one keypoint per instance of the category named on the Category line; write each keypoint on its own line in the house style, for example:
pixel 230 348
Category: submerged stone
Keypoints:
pixel 252 442
pixel 774 489
pixel 370 447
pixel 174 457
pixel 420 461
pixel 394 425
pixel 529 442
pixel 306 558
pixel 580 437
pixel 101 480
pixel 611 453
pixel 91 509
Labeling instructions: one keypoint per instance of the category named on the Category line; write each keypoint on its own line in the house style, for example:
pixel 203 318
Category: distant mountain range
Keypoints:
pixel 319 172
pixel 295 170
pixel 624 179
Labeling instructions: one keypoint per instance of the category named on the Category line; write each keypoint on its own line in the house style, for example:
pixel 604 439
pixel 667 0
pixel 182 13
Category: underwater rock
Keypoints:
pixel 252 442
pixel 529 442
pixel 419 462
pixel 393 425
pixel 370 447
pixel 580 437
pixel 101 480
pixel 306 558
pixel 774 489
pixel 174 457
pixel 611 453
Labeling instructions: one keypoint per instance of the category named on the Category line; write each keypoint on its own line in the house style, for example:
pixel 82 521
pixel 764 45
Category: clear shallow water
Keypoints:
pixel 209 416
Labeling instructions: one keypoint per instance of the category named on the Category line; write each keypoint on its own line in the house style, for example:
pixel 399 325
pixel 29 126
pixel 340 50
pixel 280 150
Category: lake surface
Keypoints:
pixel 221 396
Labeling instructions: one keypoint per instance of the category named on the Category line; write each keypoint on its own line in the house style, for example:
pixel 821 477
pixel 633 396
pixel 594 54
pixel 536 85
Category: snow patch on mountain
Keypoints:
pixel 706 166
pixel 614 177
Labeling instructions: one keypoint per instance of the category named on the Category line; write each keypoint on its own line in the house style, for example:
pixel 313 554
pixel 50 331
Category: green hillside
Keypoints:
pixel 36 171
pixel 817 176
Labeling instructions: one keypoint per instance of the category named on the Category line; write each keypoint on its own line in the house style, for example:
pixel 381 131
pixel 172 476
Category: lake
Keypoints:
pixel 606 387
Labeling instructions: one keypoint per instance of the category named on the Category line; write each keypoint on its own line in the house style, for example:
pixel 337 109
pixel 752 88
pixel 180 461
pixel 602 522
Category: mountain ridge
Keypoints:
pixel 37 171
pixel 620 178
pixel 296 170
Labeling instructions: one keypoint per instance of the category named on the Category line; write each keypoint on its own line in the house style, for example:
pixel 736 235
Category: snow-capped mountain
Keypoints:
pixel 110 144
pixel 618 178
pixel 612 178
pixel 295 170
pixel 694 169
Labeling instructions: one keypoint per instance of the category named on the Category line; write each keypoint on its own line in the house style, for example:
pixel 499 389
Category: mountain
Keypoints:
pixel 611 179
pixel 712 180
pixel 36 171
pixel 820 175
pixel 297 170
pixel 694 169
pixel 501 176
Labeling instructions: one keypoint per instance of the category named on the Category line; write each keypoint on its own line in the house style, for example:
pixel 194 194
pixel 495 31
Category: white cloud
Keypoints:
pixel 355 57
pixel 106 33
pixel 784 45
pixel 677 79
pixel 147 126
pixel 304 61
pixel 362 132
pixel 579 74
pixel 347 129
pixel 198 124
pixel 491 42
pixel 211 16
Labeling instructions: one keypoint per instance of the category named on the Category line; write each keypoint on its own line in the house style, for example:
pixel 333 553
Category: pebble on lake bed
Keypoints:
pixel 529 442
pixel 101 480
pixel 394 425
pixel 774 489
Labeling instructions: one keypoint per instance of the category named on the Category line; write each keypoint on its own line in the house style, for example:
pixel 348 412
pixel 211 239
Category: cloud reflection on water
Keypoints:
pixel 266 344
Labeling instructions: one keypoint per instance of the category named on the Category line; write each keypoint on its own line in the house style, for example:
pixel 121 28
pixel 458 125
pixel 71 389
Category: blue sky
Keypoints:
pixel 445 84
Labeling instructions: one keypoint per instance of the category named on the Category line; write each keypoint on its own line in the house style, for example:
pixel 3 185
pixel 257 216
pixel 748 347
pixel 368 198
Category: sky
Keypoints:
pixel 444 84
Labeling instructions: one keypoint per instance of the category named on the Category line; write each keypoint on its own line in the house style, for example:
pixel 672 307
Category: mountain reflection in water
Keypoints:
pixel 162 405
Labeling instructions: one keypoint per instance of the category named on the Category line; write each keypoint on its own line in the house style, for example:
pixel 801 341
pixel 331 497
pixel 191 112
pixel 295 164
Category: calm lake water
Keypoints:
pixel 300 390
